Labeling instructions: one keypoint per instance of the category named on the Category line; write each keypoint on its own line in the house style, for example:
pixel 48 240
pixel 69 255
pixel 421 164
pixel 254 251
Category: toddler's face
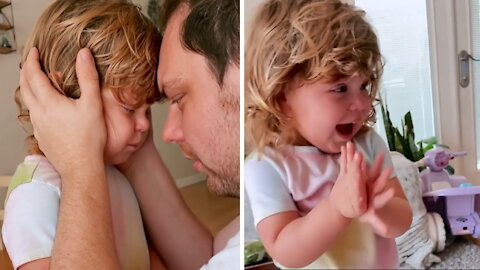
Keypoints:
pixel 127 128
pixel 328 115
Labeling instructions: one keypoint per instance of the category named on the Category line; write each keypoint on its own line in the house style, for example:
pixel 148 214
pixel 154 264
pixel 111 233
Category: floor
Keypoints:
pixel 215 212
pixel 4 261
pixel 461 254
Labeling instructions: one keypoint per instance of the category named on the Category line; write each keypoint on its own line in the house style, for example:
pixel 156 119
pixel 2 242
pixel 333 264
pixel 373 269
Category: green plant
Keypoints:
pixel 404 142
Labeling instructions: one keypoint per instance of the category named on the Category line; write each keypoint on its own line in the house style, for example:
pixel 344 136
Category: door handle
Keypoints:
pixel 464 68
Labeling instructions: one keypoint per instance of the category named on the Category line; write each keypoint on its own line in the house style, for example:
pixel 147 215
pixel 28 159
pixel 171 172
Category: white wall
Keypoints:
pixel 12 135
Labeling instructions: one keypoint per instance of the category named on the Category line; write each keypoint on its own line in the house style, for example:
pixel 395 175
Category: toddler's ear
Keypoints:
pixel 284 106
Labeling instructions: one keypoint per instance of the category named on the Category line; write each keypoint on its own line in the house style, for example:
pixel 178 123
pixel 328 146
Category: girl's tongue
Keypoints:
pixel 345 129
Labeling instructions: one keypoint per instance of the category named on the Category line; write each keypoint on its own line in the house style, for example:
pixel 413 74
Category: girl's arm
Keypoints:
pixel 181 241
pixel 41 264
pixel 296 241
pixel 155 262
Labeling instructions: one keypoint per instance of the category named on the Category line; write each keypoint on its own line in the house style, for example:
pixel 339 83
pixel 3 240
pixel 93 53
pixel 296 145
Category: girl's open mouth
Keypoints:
pixel 345 129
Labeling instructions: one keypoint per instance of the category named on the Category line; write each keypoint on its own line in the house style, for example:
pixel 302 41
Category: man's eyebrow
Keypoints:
pixel 172 84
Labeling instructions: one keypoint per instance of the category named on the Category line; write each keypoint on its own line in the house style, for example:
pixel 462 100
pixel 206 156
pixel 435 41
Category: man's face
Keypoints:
pixel 203 118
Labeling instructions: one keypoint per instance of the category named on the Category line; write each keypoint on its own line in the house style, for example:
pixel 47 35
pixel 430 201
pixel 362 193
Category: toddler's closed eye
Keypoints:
pixel 128 109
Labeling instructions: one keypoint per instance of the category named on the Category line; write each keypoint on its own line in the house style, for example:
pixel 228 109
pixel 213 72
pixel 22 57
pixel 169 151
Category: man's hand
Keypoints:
pixel 72 135
pixel 68 131
pixel 348 194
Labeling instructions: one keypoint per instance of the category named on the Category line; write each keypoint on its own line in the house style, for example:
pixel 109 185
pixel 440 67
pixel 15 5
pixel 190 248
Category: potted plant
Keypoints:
pixel 404 141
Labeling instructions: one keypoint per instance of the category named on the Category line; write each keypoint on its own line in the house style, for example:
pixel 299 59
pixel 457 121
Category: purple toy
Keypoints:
pixel 459 199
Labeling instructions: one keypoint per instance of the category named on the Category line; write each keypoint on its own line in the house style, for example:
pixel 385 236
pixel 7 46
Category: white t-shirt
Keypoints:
pixel 296 178
pixel 228 258
pixel 31 215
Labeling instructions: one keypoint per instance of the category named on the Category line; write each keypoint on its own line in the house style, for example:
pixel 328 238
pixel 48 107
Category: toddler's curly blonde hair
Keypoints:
pixel 124 43
pixel 313 39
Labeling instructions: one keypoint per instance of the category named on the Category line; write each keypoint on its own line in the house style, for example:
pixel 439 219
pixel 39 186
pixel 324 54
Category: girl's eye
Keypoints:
pixel 340 89
pixel 367 88
pixel 128 110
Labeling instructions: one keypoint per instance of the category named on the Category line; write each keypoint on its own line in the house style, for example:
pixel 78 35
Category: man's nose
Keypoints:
pixel 172 130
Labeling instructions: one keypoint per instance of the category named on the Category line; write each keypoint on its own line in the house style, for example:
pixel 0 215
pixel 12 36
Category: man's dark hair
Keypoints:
pixel 211 29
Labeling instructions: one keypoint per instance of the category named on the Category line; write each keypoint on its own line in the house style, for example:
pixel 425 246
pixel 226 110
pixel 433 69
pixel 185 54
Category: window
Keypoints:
pixel 402 30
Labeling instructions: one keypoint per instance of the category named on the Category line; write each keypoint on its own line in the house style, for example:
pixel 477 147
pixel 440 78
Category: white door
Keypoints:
pixel 467 47
pixel 455 28
pixel 427 37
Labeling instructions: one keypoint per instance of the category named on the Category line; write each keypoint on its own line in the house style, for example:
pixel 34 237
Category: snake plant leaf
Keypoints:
pixel 450 170
pixel 407 152
pixel 409 125
pixel 431 140
pixel 443 146
pixel 421 151
pixel 389 129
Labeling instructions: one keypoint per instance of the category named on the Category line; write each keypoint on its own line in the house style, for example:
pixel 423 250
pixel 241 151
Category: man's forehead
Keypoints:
pixel 177 19
pixel 172 51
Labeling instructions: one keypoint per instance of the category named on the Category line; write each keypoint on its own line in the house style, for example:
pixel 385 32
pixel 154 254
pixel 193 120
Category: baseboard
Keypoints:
pixel 190 180
pixel 470 238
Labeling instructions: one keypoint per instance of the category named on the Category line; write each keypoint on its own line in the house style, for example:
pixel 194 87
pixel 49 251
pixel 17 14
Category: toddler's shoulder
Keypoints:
pixel 274 157
pixel 369 139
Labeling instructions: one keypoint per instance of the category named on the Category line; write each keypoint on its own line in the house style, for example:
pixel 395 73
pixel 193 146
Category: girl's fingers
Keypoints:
pixel 376 169
pixel 355 168
pixel 359 183
pixel 381 181
pixel 382 199
pixel 343 159
pixel 364 170
pixel 350 152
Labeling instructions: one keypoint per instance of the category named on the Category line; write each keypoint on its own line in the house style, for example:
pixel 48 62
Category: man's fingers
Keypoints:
pixel 43 92
pixel 28 96
pixel 88 78
pixel 26 93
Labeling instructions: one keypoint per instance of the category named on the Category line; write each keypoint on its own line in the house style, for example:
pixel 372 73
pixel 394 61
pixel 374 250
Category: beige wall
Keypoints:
pixel 250 12
pixel 11 134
